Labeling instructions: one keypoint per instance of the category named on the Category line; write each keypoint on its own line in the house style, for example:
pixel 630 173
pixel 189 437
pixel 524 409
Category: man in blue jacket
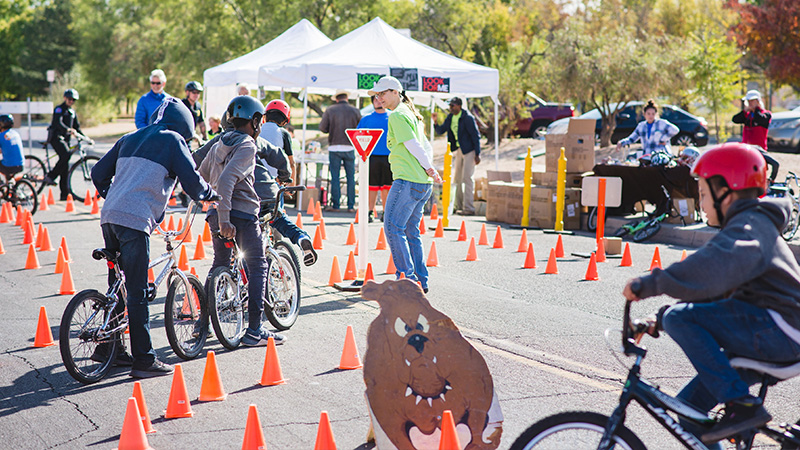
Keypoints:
pixel 462 133
pixel 149 102
pixel 143 166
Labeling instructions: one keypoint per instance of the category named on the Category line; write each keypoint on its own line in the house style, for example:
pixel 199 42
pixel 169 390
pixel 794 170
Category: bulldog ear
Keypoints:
pixel 373 291
pixel 446 323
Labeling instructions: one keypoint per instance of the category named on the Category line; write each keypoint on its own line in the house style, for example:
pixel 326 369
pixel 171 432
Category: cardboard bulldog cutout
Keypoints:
pixel 418 365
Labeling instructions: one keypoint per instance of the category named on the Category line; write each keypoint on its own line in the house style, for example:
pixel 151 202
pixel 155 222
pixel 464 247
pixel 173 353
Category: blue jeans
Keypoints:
pixel 248 238
pixel 134 248
pixel 336 160
pixel 401 221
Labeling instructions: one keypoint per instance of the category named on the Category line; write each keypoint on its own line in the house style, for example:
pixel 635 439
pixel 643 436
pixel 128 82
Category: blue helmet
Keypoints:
pixel 245 107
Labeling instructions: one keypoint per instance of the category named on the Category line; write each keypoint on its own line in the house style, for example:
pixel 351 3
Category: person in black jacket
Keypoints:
pixel 64 126
pixel 462 133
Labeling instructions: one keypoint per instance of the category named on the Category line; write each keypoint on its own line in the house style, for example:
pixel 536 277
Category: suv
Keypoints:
pixel 784 131
pixel 542 114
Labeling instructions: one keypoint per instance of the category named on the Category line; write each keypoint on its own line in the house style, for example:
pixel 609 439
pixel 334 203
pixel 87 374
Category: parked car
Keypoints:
pixel 784 131
pixel 540 115
pixel 693 129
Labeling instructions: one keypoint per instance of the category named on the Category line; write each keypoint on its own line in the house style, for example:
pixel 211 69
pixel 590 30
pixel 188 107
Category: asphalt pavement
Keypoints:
pixel 541 335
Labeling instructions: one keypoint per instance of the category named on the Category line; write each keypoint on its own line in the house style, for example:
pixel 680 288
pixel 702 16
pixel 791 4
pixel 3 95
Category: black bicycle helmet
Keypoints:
pixel 71 93
pixel 245 107
pixel 193 86
pixel 6 121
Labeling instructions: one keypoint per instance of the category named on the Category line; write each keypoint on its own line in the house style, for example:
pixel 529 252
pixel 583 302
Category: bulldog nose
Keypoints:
pixel 418 342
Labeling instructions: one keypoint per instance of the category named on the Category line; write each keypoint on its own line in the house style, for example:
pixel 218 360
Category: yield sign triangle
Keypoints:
pixel 364 140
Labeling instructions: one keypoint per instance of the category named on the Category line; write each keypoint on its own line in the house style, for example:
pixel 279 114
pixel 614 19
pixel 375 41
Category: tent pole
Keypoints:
pixel 302 177
pixel 496 138
pixel 433 105
pixel 283 95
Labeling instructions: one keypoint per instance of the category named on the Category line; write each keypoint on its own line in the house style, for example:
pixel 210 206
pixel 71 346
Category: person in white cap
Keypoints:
pixel 337 118
pixel 411 159
pixel 755 119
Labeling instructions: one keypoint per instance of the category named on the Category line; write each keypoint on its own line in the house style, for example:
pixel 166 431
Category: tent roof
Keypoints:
pixel 374 48
pixel 300 38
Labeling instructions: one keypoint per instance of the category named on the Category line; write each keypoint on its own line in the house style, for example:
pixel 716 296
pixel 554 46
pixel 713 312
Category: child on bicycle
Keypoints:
pixel 740 292
pixel 11 147
pixel 143 166
pixel 229 166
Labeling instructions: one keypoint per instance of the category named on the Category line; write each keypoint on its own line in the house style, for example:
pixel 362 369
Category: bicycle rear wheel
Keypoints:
pixel 25 195
pixel 80 177
pixel 87 356
pixel 34 171
pixel 227 305
pixel 791 227
pixel 647 232
pixel 282 287
pixel 575 431
pixel 186 329
pixel 591 219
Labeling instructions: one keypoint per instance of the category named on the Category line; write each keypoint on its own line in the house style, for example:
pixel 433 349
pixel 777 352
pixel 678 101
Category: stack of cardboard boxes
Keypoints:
pixel 504 199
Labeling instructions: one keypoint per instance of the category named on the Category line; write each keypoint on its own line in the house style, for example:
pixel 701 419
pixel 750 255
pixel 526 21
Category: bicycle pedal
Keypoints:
pixel 151 292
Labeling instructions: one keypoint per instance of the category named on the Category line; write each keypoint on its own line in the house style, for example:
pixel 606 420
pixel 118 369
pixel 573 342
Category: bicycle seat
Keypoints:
pixel 776 370
pixel 102 253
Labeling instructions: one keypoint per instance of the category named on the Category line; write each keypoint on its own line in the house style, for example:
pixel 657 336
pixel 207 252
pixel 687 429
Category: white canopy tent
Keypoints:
pixel 220 81
pixel 357 59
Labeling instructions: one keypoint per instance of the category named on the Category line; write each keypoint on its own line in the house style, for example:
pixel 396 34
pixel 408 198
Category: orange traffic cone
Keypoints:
pixel 44 337
pixel 462 233
pixel 183 260
pixel 472 252
pixel 311 207
pixel 206 232
pixel 28 238
pixel 171 223
pixel 271 375
pixel 356 252
pixel 356 221
pixel 318 239
pixel 299 221
pixel 4 213
pixel 133 436
pixel 193 272
pixel 434 213
pixel 390 268
pixel 178 405
pixel 187 235
pixel 591 271
pixel 559 247
pixel 87 200
pixel 656 260
pixel 530 258
pixel 43 204
pixel 60 261
pixel 369 275
pixel 138 394
pixel 178 228
pixel 483 239
pixel 39 236
pixel 350 269
pixel 46 245
pixel 350 359
pixel 422 225
pixel 253 434
pixel 11 215
pixel 449 439
pixel 33 261
pixel 70 206
pixel 172 202
pixel 95 206
pixel 66 250
pixel 325 440
pixel 67 285
pixel 199 250
pixel 523 242
pixel 381 241
pixel 150 275
pixel 402 275
pixel 317 212
pixel 351 236
pixel 498 239
pixel 683 254
pixel 322 228
pixel 336 274
pixel 2 249
pixel 439 233
pixel 626 257
pixel 601 251
pixel 20 217
pixel 211 390
pixel 51 200
pixel 552 266
pixel 433 257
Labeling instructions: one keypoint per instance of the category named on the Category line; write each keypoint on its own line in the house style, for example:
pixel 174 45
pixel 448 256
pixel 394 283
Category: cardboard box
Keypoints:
pixel 542 211
pixel 578 146
pixel 686 208
pixel 481 188
pixel 612 245
pixel 573 180
pixel 498 175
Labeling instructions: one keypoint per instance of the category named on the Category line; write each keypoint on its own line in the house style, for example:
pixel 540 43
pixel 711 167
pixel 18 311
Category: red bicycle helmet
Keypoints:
pixel 280 106
pixel 742 166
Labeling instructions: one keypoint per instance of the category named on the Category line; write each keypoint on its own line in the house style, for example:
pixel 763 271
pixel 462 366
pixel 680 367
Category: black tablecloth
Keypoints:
pixel 644 183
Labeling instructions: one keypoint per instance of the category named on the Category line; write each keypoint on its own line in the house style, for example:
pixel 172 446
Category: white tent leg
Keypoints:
pixel 302 176
pixel 496 138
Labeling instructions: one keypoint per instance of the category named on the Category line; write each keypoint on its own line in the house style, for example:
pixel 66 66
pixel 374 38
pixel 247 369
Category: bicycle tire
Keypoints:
pixel 227 307
pixel 623 230
pixel 34 171
pixel 591 219
pixel 79 179
pixel 588 425
pixel 186 331
pixel 791 227
pixel 647 232
pixel 78 348
pixel 25 195
pixel 282 288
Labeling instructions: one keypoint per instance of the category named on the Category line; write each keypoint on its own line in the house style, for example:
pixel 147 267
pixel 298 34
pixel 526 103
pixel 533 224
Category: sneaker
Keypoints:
pixel 371 217
pixel 309 254
pixel 48 181
pixel 259 338
pixel 156 369
pixel 740 415
pixel 124 359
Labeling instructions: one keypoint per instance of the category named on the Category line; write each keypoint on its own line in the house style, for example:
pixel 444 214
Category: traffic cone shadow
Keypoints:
pixel 483 239
pixel 350 359
pixel 253 433
pixel 381 241
pixel 350 269
pixel 336 274
pixel 559 247
pixel 138 394
pixel 552 265
pixel 626 256
pixel 439 233
pixel 498 238
pixel 33 261
pixel 462 232
pixel 199 250
pixel 67 285
pixel 211 390
pixel 133 435
pixel 325 440
pixel 351 236
pixel 530 258
pixel 44 336
pixel 656 262
pixel 449 437
pixel 591 271
pixel 472 252
pixel 433 257
pixel 271 375
pixel 178 405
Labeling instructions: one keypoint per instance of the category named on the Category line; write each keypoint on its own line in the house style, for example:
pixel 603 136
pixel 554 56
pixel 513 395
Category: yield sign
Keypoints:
pixel 364 140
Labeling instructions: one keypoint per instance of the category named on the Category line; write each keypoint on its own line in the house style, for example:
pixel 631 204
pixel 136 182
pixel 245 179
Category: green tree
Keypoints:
pixel 14 15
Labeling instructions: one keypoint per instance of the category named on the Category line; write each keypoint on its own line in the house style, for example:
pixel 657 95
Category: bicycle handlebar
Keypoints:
pixel 279 198
pixel 190 213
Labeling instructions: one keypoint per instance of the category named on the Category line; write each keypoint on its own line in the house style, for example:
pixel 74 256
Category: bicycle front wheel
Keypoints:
pixel 646 232
pixel 283 288
pixel 80 177
pixel 227 305
pixel 34 171
pixel 186 317
pixel 26 196
pixel 575 431
pixel 87 354
pixel 791 227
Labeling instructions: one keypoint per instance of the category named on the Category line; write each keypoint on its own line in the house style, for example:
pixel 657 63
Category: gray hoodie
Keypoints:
pixel 748 260
pixel 229 168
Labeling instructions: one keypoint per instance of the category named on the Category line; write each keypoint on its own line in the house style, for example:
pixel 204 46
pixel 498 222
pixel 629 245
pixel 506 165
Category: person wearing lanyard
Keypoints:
pixel 411 159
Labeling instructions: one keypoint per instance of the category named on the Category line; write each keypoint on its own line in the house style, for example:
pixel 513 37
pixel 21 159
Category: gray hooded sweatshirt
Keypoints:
pixel 229 168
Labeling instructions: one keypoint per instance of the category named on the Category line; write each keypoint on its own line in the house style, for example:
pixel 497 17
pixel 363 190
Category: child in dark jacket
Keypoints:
pixel 740 292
